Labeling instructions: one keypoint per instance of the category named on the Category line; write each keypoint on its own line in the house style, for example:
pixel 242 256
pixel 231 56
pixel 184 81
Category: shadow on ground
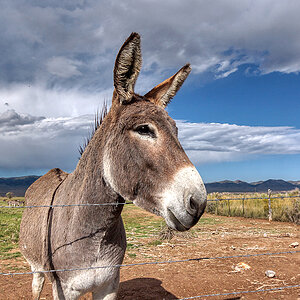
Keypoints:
pixel 143 288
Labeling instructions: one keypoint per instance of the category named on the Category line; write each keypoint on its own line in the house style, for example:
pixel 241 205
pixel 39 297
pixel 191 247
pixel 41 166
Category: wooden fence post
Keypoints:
pixel 270 209
pixel 229 208
pixel 244 206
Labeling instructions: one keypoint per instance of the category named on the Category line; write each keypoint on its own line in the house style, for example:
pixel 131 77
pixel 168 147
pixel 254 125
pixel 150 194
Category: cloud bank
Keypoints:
pixel 69 47
pixel 39 143
pixel 214 142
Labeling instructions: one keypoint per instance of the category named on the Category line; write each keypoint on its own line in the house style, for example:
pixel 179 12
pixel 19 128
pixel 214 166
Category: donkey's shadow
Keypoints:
pixel 143 288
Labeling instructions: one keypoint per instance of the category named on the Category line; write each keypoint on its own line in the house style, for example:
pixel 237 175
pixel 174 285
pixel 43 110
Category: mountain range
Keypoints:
pixel 18 185
pixel 276 185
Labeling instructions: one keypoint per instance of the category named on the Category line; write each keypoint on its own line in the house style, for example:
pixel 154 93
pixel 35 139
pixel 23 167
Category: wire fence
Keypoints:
pixel 278 207
pixel 197 259
pixel 181 261
pixel 131 202
pixel 153 263
pixel 253 198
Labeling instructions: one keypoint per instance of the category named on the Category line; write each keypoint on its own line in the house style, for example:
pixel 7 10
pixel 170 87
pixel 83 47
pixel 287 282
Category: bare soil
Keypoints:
pixel 228 236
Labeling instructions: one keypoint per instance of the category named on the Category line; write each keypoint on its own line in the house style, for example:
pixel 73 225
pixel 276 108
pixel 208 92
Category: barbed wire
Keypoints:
pixel 130 202
pixel 154 263
pixel 244 292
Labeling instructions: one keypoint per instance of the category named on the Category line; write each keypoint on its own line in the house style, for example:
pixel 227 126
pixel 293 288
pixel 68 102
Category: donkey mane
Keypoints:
pixel 98 120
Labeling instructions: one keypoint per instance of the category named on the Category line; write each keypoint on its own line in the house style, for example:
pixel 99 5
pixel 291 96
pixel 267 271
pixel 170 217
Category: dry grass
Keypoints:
pixel 255 205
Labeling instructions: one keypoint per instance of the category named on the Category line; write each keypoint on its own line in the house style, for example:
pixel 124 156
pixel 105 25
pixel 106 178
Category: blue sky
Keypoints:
pixel 237 113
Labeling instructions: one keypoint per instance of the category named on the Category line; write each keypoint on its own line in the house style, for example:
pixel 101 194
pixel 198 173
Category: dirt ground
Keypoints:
pixel 228 236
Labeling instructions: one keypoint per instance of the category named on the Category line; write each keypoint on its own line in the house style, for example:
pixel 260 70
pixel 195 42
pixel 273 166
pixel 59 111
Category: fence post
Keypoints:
pixel 229 208
pixel 244 206
pixel 270 209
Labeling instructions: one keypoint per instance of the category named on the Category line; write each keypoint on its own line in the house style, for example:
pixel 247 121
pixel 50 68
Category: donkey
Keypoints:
pixel 134 155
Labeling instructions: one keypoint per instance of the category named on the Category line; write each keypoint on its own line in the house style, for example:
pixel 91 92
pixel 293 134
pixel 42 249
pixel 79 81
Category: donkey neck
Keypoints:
pixel 88 177
pixel 87 185
pixel 90 224
pixel 89 227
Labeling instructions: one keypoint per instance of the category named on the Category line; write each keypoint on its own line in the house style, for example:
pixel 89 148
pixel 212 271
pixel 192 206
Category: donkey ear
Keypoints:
pixel 127 67
pixel 163 93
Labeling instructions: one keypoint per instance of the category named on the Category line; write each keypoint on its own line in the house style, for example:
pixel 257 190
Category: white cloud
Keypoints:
pixel 226 74
pixel 38 99
pixel 11 118
pixel 60 36
pixel 43 144
pixel 216 142
pixel 63 67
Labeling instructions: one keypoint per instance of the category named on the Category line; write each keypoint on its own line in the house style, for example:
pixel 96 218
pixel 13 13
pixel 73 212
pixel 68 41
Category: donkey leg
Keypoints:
pixel 109 291
pixel 37 285
pixel 55 292
pixel 58 292
pixel 64 291
pixel 106 294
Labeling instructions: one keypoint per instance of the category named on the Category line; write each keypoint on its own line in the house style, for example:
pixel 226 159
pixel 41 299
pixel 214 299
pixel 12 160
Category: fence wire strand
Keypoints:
pixel 69 205
pixel 254 198
pixel 244 292
pixel 154 263
pixel 130 202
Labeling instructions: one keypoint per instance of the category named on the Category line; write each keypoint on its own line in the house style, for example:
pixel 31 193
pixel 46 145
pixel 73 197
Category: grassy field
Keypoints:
pixel 148 230
pixel 10 219
pixel 142 229
pixel 284 207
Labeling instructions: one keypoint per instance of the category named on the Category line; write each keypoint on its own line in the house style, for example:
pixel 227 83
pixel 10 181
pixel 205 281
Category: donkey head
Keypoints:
pixel 143 160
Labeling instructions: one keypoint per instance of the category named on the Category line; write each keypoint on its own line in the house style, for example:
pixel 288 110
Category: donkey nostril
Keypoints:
pixel 193 205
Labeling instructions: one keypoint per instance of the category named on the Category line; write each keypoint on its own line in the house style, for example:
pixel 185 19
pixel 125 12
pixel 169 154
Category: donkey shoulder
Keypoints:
pixel 42 190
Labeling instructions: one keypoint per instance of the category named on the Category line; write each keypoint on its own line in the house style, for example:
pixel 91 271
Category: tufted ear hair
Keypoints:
pixel 127 67
pixel 163 93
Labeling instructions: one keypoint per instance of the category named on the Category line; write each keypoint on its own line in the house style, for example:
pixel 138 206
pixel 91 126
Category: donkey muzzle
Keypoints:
pixel 184 199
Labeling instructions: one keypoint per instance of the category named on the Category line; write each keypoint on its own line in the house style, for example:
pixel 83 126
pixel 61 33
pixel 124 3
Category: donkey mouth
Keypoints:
pixel 175 223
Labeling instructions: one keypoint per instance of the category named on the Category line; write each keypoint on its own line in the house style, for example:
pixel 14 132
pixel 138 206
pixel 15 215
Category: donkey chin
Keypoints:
pixel 184 199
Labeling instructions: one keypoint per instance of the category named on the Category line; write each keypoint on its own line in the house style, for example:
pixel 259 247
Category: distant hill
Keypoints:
pixel 295 182
pixel 18 185
pixel 243 187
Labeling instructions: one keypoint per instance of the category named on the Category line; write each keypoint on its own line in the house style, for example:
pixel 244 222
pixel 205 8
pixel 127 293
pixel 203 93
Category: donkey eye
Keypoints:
pixel 145 130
